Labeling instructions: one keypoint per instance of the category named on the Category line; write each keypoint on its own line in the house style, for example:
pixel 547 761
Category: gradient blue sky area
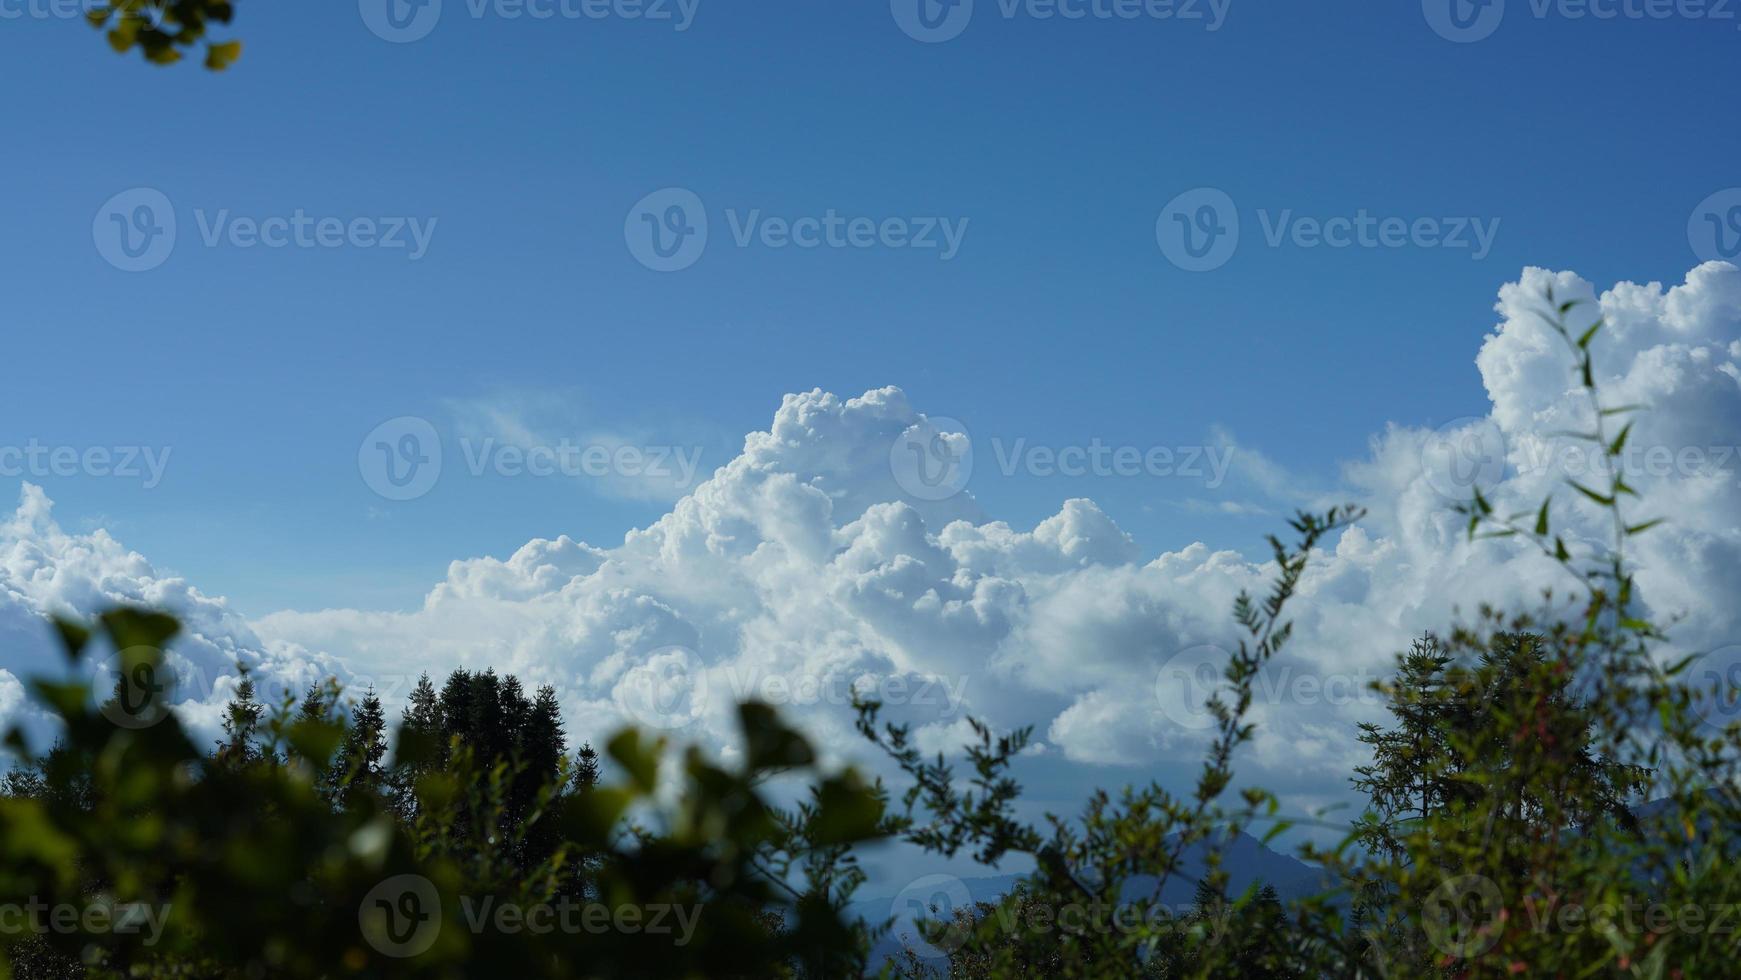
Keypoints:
pixel 1060 321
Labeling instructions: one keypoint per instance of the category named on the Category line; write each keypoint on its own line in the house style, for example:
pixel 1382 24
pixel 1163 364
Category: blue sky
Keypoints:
pixel 1060 320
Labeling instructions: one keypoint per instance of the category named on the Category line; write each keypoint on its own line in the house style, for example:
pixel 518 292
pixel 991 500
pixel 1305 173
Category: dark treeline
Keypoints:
pixel 479 724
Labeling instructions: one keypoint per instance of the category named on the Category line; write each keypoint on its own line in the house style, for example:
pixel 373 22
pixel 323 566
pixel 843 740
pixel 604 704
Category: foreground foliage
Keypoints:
pixel 292 852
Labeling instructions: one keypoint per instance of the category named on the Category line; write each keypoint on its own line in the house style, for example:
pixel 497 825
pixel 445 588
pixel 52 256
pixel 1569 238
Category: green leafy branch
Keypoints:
pixel 160 29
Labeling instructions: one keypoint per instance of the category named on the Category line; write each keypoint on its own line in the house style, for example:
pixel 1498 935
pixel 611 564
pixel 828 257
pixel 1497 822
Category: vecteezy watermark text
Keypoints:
pixel 944 695
pixel 1466 915
pixel 403 917
pixel 569 458
pixel 936 21
pixel 93 918
pixel 136 231
pixel 571 917
pixel 38 460
pixel 301 230
pixel 672 687
pixel 1468 21
pixel 403 458
pixel 940 898
pixel 668 231
pixel 404 21
pixel 932 459
pixel 1580 461
pixel 49 9
pixel 1199 230
pixel 1190 677
pixel 1207 463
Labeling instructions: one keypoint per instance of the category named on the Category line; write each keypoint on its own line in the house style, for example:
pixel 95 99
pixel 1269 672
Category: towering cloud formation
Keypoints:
pixel 45 572
pixel 802 570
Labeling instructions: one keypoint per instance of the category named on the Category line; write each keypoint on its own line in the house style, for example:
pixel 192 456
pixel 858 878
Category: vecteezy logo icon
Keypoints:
pixel 400 21
pixel 401 458
pixel 1715 227
pixel 1462 916
pixel 135 687
pixel 932 21
pixel 1715 679
pixel 1187 680
pixel 401 917
pixel 668 690
pixel 667 230
pixel 135 230
pixel 936 898
pixel 932 459
pixel 1199 230
pixel 1463 455
pixel 1464 21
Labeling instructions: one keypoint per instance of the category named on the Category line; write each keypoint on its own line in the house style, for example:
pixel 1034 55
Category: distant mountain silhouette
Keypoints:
pixel 1246 859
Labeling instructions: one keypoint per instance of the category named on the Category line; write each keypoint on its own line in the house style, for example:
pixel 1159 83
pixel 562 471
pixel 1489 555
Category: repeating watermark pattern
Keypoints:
pixel 402 459
pixel 1716 677
pixel 38 460
pixel 1468 21
pixel 667 231
pixel 404 21
pixel 49 9
pixel 299 229
pixel 936 21
pixel 1631 915
pixel 1030 917
pixel 402 917
pixel 1199 231
pixel 1714 230
pixel 400 21
pixel 136 688
pixel 932 459
pixel 136 231
pixel 1189 678
pixel 943 696
pixel 936 897
pixel 1584 462
pixel 1463 455
pixel 1362 229
pixel 1186 681
pixel 932 21
pixel 668 690
pixel 1464 21
pixel 1102 459
pixel 574 459
pixel 1463 916
pixel 569 917
pixel 1472 452
pixel 42 918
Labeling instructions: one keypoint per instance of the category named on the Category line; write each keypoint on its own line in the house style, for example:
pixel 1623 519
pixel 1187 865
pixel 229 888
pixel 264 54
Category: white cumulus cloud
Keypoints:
pixel 801 571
